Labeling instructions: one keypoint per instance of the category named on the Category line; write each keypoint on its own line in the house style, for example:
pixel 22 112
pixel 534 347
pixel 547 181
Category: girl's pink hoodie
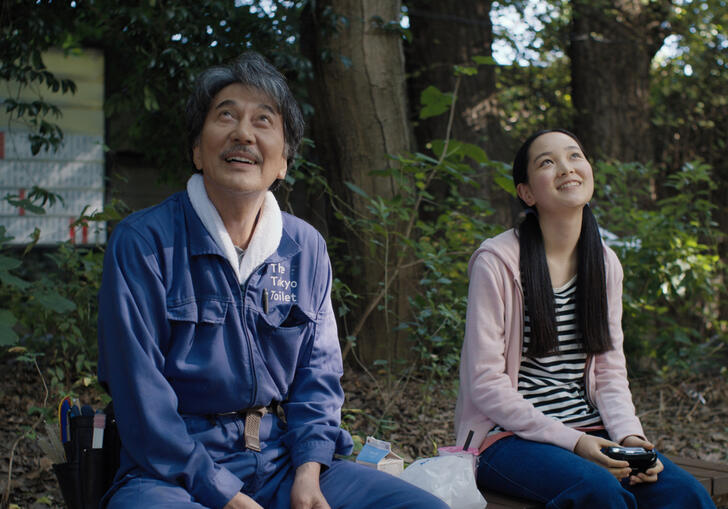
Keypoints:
pixel 491 357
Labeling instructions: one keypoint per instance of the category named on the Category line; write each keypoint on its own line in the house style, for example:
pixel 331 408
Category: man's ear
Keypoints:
pixel 282 173
pixel 525 194
pixel 197 157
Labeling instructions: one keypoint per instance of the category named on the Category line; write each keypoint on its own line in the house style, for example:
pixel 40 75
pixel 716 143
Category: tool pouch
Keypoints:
pixel 89 473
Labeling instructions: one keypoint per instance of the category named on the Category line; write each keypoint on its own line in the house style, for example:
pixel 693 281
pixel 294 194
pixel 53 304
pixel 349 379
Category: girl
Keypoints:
pixel 543 383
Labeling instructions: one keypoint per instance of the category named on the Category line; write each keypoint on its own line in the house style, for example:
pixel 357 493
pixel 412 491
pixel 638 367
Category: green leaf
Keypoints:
pixel 150 100
pixel 475 153
pixel 358 190
pixel 7 263
pixel 434 102
pixel 25 204
pixel 7 318
pixel 4 237
pixel 53 301
pixel 481 60
pixel 8 279
pixel 505 183
pixel 7 334
pixel 466 70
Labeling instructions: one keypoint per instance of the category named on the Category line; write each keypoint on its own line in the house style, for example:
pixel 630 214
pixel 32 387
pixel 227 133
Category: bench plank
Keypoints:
pixel 716 472
pixel 713 476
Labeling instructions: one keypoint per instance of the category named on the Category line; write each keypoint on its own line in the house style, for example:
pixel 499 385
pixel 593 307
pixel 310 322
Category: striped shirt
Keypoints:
pixel 554 383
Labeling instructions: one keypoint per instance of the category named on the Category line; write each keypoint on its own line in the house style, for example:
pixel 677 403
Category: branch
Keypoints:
pixel 410 225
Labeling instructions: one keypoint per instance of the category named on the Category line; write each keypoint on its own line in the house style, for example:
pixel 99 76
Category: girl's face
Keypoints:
pixel 559 176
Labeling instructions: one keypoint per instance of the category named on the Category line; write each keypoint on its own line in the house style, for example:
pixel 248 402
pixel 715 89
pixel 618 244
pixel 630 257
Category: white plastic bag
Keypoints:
pixel 450 478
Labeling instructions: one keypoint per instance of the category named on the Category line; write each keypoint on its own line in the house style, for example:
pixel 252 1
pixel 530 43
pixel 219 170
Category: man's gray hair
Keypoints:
pixel 252 70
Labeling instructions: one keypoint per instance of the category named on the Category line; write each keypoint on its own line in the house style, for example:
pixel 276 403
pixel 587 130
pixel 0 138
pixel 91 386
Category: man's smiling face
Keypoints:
pixel 242 147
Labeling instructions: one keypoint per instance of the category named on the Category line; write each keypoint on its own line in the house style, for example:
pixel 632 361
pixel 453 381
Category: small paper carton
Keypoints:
pixel 378 454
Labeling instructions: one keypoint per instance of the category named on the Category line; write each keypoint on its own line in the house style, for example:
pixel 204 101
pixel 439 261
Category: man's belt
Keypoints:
pixel 252 417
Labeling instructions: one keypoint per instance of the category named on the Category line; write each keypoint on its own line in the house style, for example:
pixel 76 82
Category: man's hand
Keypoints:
pixel 651 474
pixel 590 447
pixel 241 501
pixel 306 493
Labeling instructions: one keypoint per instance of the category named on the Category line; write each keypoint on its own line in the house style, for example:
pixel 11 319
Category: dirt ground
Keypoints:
pixel 686 416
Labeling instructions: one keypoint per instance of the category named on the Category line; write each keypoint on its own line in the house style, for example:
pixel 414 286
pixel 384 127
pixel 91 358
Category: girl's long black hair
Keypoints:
pixel 591 288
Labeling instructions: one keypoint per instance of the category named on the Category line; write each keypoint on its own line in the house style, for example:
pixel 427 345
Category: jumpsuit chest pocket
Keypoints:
pixel 197 327
pixel 199 311
pixel 282 337
pixel 285 316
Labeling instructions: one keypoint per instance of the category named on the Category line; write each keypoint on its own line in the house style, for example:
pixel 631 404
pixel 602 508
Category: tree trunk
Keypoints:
pixel 358 93
pixel 446 33
pixel 612 45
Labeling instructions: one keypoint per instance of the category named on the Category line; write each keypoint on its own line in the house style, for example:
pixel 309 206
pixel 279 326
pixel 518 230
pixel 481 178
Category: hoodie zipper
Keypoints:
pixel 517 282
pixel 587 368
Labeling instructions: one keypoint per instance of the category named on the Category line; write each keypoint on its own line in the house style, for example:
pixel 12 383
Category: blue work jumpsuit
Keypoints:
pixel 181 341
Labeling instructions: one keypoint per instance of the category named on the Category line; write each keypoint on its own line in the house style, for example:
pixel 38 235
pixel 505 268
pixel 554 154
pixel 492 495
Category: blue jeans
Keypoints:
pixel 558 478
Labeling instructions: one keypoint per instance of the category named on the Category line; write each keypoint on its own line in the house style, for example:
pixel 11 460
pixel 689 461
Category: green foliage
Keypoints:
pixel 434 220
pixel 690 87
pixel 49 300
pixel 431 224
pixel 26 31
pixel 666 241
pixel 451 228
pixel 534 98
pixel 434 102
pixel 153 52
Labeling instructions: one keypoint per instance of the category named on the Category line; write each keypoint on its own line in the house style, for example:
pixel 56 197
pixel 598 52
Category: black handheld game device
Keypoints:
pixel 639 458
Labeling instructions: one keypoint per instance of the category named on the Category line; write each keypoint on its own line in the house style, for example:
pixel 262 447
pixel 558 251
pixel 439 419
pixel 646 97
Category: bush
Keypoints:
pixel 49 302
pixel 431 225
pixel 666 238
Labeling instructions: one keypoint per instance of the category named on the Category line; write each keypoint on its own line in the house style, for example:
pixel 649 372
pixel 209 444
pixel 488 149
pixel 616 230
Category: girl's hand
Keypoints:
pixel 589 447
pixel 651 474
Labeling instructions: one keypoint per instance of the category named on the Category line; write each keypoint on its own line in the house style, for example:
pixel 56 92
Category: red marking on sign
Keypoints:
pixel 2 145
pixel 84 234
pixel 21 195
pixel 71 231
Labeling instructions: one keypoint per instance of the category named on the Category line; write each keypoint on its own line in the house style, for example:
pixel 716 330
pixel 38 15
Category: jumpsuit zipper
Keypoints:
pixel 243 293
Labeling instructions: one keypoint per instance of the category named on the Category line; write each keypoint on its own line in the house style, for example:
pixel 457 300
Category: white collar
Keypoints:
pixel 264 241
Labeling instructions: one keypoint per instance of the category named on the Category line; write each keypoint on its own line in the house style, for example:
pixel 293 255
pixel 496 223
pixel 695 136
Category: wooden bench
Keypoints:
pixel 714 476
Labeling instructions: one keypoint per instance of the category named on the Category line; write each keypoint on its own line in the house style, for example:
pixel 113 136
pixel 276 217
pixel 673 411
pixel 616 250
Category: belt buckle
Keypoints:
pixel 252 427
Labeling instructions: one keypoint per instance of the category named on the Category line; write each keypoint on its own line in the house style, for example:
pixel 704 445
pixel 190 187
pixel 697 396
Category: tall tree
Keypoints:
pixel 358 93
pixel 446 33
pixel 612 43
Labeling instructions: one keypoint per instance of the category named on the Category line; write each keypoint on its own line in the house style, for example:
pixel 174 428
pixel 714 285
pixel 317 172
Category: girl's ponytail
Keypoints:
pixel 591 287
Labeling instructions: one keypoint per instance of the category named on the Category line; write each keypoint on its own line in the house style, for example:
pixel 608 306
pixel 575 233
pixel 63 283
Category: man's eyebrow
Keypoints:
pixel 224 103
pixel 268 107
pixel 231 102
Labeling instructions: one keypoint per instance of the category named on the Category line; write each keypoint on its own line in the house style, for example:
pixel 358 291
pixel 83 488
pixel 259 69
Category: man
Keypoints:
pixel 215 313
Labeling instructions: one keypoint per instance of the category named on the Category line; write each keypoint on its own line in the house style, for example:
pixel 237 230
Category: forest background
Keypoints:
pixel 414 111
